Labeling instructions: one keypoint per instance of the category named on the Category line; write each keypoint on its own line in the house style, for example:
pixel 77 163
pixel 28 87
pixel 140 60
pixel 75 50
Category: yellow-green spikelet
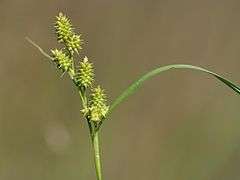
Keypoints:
pixel 62 61
pixel 66 35
pixel 63 28
pixel 97 106
pixel 74 43
pixel 85 73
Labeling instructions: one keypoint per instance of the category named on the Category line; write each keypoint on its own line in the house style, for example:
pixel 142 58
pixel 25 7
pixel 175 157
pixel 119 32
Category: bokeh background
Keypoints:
pixel 182 125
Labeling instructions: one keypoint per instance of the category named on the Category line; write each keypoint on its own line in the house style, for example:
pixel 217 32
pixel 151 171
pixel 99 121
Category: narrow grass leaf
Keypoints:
pixel 135 85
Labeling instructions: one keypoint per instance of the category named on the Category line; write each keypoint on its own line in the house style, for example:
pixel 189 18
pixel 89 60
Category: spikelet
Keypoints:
pixel 97 106
pixel 63 28
pixel 84 73
pixel 62 61
pixel 66 35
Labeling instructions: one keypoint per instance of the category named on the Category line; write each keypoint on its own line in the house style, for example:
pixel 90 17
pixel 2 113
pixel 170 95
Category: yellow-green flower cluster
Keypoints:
pixel 85 73
pixel 66 35
pixel 63 28
pixel 62 61
pixel 97 106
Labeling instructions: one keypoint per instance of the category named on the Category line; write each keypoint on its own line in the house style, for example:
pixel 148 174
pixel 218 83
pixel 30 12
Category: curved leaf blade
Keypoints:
pixel 135 85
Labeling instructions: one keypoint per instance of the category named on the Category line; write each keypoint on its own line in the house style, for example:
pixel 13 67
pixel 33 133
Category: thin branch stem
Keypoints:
pixel 70 71
pixel 39 48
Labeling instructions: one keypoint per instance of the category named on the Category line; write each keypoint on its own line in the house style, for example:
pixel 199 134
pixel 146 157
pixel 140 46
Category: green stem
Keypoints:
pixel 97 156
pixel 94 134
pixel 82 94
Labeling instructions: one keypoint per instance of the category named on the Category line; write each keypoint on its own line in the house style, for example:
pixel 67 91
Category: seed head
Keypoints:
pixel 74 43
pixel 66 35
pixel 97 106
pixel 85 73
pixel 63 28
pixel 62 61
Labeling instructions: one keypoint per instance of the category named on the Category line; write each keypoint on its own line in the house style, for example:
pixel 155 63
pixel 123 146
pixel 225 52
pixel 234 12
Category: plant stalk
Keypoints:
pixel 97 155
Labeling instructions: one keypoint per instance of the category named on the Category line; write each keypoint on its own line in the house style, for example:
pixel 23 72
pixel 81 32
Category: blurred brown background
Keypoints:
pixel 182 125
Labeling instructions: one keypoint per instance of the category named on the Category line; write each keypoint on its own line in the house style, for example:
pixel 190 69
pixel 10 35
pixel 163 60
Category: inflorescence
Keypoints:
pixel 66 35
pixel 94 106
pixel 85 73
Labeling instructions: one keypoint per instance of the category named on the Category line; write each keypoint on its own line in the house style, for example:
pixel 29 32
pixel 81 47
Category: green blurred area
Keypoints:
pixel 182 125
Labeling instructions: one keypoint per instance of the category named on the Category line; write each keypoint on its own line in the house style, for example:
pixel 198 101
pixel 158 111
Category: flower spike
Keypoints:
pixel 74 43
pixel 97 107
pixel 66 35
pixel 62 61
pixel 63 28
pixel 85 73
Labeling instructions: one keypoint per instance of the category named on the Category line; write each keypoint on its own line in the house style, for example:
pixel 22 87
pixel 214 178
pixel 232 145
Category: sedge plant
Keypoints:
pixel 94 106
